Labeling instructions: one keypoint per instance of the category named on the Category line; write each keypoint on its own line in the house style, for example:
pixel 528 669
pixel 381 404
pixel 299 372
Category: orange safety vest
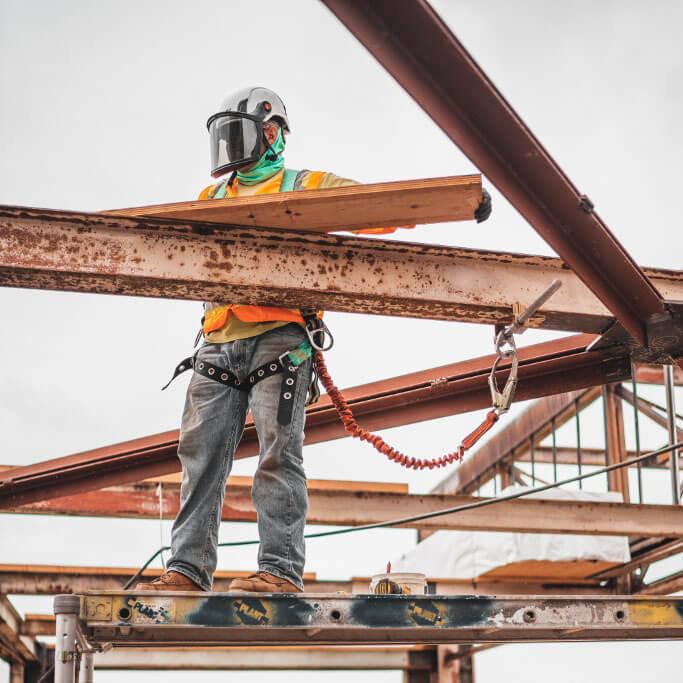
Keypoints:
pixel 215 318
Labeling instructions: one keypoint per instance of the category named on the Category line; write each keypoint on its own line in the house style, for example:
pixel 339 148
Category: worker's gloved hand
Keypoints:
pixel 484 209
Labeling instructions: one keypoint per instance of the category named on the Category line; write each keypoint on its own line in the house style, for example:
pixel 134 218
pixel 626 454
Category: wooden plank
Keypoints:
pixel 404 202
pixel 549 571
pixel 52 580
pixel 312 484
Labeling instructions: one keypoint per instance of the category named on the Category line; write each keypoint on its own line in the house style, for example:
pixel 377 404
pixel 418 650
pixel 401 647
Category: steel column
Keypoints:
pixel 17 671
pixel 672 427
pixel 615 441
pixel 87 674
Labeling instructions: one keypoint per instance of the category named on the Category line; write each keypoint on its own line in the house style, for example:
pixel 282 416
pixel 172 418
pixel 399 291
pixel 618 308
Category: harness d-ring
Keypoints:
pixel 501 400
pixel 319 328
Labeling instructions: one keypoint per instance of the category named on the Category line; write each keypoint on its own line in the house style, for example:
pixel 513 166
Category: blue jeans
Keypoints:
pixel 212 425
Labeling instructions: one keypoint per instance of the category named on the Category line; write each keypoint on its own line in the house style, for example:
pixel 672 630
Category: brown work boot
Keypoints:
pixel 263 582
pixel 169 581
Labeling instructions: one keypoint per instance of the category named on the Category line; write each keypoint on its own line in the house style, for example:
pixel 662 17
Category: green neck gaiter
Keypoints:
pixel 265 168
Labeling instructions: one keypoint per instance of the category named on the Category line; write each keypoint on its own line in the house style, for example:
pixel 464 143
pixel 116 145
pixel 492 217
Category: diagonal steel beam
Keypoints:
pixel 547 368
pixel 416 47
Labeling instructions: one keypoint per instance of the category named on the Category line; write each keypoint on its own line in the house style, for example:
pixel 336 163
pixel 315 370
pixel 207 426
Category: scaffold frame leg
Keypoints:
pixel 87 668
pixel 67 610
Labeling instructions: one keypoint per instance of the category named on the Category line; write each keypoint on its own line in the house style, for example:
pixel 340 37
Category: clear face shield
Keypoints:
pixel 235 141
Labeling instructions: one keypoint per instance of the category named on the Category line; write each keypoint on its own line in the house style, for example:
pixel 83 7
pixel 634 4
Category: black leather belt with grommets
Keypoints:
pixel 287 364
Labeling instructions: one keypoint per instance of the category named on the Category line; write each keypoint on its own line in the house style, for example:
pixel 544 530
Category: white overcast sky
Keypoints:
pixel 103 105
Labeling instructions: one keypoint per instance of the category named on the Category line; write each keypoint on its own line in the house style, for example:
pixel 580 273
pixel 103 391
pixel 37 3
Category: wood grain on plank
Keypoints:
pixel 549 570
pixel 404 202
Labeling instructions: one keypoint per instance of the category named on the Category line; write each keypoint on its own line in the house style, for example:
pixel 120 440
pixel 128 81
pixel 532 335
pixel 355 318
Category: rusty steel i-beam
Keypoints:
pixel 76 251
pixel 355 508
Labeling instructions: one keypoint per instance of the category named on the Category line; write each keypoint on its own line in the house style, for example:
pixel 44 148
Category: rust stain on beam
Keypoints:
pixel 174 259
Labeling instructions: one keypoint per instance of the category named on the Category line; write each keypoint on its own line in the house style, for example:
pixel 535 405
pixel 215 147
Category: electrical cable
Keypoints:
pixel 45 677
pixel 438 513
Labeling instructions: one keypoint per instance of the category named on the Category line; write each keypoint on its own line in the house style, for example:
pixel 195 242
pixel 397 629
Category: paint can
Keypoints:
pixel 398 583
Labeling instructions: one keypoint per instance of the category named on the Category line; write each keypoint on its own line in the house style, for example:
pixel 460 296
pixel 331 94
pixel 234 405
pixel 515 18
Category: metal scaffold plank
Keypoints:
pixel 222 618
pixel 378 205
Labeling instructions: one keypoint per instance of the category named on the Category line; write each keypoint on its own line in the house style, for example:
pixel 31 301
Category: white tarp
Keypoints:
pixel 467 554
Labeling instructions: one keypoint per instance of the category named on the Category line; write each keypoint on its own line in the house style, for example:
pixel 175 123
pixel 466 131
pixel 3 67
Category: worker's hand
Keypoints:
pixel 484 209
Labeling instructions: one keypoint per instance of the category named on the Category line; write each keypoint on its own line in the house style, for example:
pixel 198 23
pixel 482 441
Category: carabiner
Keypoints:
pixel 322 330
pixel 501 400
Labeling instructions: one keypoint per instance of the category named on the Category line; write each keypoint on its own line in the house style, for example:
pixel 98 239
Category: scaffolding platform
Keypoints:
pixel 94 621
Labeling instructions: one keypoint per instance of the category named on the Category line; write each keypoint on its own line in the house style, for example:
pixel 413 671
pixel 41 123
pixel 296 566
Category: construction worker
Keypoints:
pixel 243 345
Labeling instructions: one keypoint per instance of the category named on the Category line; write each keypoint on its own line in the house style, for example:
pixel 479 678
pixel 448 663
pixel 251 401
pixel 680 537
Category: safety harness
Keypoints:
pixel 317 331
pixel 286 364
